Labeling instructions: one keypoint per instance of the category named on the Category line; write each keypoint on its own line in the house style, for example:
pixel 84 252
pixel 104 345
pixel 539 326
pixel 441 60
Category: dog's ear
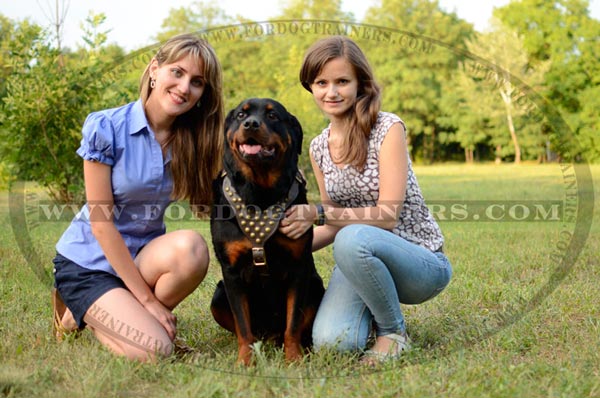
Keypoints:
pixel 229 119
pixel 297 134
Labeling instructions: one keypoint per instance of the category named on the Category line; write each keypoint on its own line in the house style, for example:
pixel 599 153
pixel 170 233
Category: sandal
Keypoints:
pixel 180 347
pixel 59 308
pixel 400 344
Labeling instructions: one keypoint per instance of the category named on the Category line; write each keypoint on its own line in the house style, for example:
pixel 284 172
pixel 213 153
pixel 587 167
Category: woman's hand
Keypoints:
pixel 298 219
pixel 163 315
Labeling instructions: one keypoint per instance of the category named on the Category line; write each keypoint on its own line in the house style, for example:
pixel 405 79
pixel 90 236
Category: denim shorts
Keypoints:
pixel 80 287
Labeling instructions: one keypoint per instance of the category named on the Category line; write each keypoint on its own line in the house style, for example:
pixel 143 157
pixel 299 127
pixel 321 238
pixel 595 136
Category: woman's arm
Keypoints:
pixel 100 200
pixel 300 218
pixel 393 175
pixel 323 234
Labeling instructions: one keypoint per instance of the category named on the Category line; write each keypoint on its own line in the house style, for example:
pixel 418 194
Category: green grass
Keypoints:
pixel 516 321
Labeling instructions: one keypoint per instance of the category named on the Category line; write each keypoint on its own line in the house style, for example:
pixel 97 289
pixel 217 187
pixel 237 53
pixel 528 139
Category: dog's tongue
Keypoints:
pixel 251 149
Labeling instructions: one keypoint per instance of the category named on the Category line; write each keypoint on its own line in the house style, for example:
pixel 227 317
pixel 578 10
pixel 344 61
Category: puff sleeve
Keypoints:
pixel 97 144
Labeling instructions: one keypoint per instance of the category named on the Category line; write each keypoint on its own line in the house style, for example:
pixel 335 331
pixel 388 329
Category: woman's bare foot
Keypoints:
pixel 68 321
pixel 64 322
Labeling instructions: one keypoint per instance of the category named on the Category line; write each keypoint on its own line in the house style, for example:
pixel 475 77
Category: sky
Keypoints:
pixel 134 23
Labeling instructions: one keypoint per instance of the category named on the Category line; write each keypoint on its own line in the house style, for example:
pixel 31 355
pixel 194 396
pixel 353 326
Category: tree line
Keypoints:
pixel 526 89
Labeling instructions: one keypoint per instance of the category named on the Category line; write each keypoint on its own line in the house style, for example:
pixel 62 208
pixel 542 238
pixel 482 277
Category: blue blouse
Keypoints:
pixel 141 183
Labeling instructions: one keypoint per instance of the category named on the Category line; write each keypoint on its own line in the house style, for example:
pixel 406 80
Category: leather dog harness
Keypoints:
pixel 259 225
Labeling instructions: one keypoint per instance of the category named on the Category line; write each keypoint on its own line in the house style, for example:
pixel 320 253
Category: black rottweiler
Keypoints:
pixel 270 287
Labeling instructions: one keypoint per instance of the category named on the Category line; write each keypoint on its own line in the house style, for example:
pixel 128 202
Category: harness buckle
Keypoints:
pixel 258 256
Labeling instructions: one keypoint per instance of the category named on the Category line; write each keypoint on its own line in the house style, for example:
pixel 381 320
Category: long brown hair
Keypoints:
pixel 368 101
pixel 196 137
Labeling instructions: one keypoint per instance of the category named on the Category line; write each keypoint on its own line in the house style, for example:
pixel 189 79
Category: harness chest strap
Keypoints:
pixel 259 225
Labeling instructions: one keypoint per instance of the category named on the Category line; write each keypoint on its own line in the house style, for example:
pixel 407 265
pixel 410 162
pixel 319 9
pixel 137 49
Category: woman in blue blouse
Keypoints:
pixel 117 271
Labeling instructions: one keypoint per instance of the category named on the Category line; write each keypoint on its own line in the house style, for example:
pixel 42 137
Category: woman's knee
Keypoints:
pixel 351 233
pixel 348 237
pixel 122 324
pixel 190 254
pixel 349 244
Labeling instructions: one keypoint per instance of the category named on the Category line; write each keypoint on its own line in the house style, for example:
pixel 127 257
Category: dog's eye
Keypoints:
pixel 272 116
pixel 240 115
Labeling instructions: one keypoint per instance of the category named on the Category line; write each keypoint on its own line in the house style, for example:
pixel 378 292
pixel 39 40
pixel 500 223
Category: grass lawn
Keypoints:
pixel 519 319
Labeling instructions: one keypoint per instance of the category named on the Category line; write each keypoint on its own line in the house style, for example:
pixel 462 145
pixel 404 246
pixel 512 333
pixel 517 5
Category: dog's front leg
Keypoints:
pixel 297 320
pixel 241 315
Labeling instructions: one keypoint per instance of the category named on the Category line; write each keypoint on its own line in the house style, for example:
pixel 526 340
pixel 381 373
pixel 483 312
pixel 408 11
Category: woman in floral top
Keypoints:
pixel 386 245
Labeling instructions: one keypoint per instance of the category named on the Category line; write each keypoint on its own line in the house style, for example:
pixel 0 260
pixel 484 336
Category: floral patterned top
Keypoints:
pixel 349 187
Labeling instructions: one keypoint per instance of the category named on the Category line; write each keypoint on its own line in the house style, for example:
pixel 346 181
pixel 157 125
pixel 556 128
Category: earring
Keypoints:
pixel 152 83
pixel 198 104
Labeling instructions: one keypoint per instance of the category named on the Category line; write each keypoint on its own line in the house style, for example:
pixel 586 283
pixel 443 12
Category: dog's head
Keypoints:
pixel 262 138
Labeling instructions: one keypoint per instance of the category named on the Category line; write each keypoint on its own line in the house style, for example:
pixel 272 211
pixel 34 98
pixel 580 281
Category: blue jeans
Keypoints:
pixel 375 271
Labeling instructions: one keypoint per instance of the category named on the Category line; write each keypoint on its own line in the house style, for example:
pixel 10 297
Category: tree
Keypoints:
pixel 504 49
pixel 328 10
pixel 470 115
pixel 200 15
pixel 562 32
pixel 48 97
pixel 56 16
pixel 414 72
pixel 7 30
pixel 7 35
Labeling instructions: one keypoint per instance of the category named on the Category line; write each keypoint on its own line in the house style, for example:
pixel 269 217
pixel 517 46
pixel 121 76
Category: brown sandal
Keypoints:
pixel 58 309
pixel 180 347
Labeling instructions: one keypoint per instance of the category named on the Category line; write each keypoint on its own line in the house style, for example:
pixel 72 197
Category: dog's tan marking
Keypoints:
pixel 236 248
pixel 293 333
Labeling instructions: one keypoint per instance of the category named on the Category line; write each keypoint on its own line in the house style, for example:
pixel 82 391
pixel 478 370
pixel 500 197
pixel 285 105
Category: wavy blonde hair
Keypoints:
pixel 362 117
pixel 196 137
